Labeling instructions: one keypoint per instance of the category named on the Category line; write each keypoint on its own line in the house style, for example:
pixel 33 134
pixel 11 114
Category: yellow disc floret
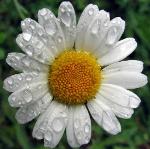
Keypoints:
pixel 74 77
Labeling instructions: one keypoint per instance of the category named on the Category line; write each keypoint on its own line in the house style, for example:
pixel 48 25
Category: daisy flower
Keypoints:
pixel 71 73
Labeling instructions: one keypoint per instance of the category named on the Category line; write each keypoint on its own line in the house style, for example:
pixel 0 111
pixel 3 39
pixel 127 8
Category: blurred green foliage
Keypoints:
pixel 136 131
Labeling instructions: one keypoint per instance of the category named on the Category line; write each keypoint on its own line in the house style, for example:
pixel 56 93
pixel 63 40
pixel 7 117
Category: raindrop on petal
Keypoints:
pixel 57 124
pixel 91 11
pixel 27 36
pixel 43 12
pixel 27 95
pixel 111 36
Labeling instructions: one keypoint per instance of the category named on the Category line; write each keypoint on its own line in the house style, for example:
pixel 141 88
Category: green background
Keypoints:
pixel 135 131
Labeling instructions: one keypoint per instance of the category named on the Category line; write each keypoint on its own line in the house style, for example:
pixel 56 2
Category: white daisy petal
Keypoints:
pixel 51 124
pixel 113 32
pixel 119 95
pixel 96 31
pixel 82 124
pixel 28 112
pixel 118 109
pixel 67 17
pixel 104 116
pixel 22 62
pixel 70 132
pixel 116 29
pixel 126 79
pixel 86 17
pixel 34 47
pixel 19 81
pixel 28 94
pixel 130 65
pixel 53 29
pixel 119 51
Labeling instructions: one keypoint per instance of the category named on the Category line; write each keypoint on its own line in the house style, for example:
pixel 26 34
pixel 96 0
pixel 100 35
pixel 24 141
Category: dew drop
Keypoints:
pixel 10 81
pixel 76 123
pixel 27 95
pixel 13 98
pixel 57 124
pixel 96 27
pixel 112 36
pixel 43 12
pixel 29 50
pixel 26 61
pixel 50 28
pixel 59 39
pixel 19 77
pixel 62 10
pixel 87 128
pixel 66 18
pixel 91 11
pixel 29 77
pixel 48 136
pixel 27 36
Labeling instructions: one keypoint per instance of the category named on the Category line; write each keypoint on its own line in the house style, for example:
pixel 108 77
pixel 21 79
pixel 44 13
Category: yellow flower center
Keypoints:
pixel 74 77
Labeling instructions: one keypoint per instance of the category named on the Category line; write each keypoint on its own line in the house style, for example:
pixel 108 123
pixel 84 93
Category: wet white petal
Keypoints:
pixel 130 65
pixel 22 62
pixel 19 81
pixel 97 29
pixel 104 116
pixel 28 94
pixel 126 79
pixel 53 29
pixel 119 51
pixel 86 17
pixel 67 17
pixel 116 29
pixel 82 124
pixel 118 109
pixel 34 48
pixel 51 125
pixel 119 95
pixel 33 28
pixel 28 112
pixel 70 132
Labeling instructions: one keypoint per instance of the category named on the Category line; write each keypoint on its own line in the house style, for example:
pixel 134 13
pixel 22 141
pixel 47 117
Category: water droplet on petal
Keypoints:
pixel 27 36
pixel 26 62
pixel 50 28
pixel 29 50
pixel 10 81
pixel 76 123
pixel 87 128
pixel 29 77
pixel 27 95
pixel 57 124
pixel 96 27
pixel 111 36
pixel 62 10
pixel 43 12
pixel 48 136
pixel 66 18
pixel 91 11
pixel 79 135
pixel 19 77
pixel 59 39
pixel 13 98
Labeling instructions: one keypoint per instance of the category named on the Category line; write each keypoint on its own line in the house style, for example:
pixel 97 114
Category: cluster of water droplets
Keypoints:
pixel 51 125
pixel 29 112
pixel 22 62
pixel 27 92
pixel 33 40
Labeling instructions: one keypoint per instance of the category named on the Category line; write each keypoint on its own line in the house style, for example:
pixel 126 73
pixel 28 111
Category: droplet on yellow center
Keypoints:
pixel 74 77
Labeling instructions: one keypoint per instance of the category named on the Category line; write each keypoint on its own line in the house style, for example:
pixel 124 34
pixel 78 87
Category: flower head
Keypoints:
pixel 68 68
